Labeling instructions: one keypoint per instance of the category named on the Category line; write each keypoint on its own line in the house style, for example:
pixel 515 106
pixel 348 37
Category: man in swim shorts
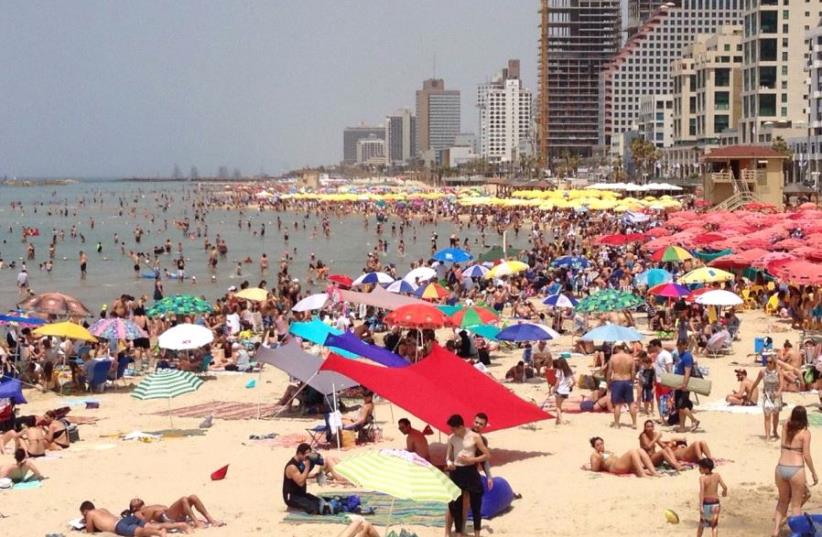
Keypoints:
pixel 620 372
pixel 101 520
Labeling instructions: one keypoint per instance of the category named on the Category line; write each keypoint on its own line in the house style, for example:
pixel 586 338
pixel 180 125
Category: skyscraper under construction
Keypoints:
pixel 577 37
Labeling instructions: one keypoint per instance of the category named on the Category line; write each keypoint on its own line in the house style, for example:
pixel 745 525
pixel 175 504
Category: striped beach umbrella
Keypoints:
pixel 472 316
pixel 373 277
pixel 399 474
pixel 432 291
pixel 671 254
pixel 475 271
pixel 560 300
pixel 167 384
pixel 115 328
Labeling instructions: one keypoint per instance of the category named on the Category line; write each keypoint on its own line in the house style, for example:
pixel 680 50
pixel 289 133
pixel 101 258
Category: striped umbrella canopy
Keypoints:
pixel 432 291
pixel 671 254
pixel 473 315
pixel 475 271
pixel 560 300
pixel 373 277
pixel 115 328
pixel 179 305
pixel 167 384
pixel 399 474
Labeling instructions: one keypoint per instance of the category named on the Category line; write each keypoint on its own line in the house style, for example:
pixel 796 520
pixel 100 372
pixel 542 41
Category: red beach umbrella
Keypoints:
pixel 417 316
pixel 799 272
pixel 341 279
pixel 620 239
pixel 707 238
pixel 788 244
pixel 656 232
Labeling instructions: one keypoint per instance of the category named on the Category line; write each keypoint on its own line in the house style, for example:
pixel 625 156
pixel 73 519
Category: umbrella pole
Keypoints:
pixel 390 514
pixel 295 395
pixel 170 416
pixel 334 398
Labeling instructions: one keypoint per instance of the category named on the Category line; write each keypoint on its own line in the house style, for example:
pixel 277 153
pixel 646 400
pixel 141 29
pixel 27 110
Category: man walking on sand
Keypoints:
pixel 620 374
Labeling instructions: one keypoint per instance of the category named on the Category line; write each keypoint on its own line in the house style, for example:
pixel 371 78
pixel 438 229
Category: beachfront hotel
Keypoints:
pixel 400 138
pixel 352 135
pixel 643 65
pixel 438 119
pixel 505 116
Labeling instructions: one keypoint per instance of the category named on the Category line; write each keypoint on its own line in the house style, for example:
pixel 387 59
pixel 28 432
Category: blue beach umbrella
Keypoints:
pixel 401 286
pixel 526 332
pixel 487 331
pixel 613 332
pixel 652 277
pixel 560 301
pixel 475 271
pixel 373 277
pixel 452 255
pixel 570 261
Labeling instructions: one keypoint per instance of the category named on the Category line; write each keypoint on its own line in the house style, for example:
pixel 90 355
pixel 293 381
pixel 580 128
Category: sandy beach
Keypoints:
pixel 542 463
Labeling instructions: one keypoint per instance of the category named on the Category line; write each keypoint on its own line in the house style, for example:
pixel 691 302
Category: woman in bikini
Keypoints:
pixel 650 440
pixel 633 460
pixel 790 471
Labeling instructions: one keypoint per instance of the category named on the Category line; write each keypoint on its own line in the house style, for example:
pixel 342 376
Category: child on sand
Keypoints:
pixel 709 484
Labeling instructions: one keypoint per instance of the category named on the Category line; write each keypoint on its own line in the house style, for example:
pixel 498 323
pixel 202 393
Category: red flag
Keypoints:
pixel 217 475
pixel 428 430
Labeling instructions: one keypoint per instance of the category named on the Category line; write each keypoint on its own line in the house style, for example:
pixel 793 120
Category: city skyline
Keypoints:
pixel 91 90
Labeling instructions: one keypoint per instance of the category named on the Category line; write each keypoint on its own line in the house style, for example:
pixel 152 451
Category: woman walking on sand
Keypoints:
pixel 790 471
pixel 772 384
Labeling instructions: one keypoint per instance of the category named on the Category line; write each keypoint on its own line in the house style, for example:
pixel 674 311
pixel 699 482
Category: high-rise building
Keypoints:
pixel 774 91
pixel 352 135
pixel 438 116
pixel 578 37
pixel 807 149
pixel 400 138
pixel 639 11
pixel 643 65
pixel 656 119
pixel 371 151
pixel 505 116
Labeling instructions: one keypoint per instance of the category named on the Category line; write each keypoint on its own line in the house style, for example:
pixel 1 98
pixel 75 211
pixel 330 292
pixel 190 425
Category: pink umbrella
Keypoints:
pixel 788 244
pixel 799 272
pixel 765 260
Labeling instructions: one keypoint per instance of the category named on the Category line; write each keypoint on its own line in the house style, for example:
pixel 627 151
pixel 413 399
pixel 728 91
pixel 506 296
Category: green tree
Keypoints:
pixel 780 146
pixel 568 164
pixel 645 154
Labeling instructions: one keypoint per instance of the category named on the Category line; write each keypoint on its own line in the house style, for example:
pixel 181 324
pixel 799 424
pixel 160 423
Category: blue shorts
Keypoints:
pixel 622 392
pixel 128 526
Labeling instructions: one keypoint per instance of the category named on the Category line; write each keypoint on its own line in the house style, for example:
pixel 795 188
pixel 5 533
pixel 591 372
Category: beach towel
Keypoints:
pixel 224 410
pixel 722 406
pixel 814 419
pixel 428 514
pixel 27 485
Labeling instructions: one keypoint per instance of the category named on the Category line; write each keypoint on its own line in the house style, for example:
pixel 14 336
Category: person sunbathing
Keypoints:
pixel 598 401
pixel 101 520
pixel 365 415
pixel 359 527
pixel 743 395
pixel 633 460
pixel 33 440
pixel 56 431
pixel 650 440
pixel 180 511
pixel 19 471
pixel 688 453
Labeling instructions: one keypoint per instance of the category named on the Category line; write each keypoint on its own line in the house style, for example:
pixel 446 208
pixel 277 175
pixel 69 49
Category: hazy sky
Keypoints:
pixel 101 89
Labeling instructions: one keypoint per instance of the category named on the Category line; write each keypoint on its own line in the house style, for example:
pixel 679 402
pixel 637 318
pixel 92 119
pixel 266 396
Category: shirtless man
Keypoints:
pixel 791 358
pixel 365 414
pixel 744 395
pixel 130 526
pixel 22 466
pixel 542 356
pixel 180 511
pixel 415 441
pixel 620 372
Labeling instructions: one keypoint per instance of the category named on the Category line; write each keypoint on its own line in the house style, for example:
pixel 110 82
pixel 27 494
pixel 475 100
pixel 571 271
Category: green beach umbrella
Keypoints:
pixel 609 300
pixel 400 474
pixel 473 315
pixel 485 330
pixel 449 310
pixel 167 384
pixel 179 305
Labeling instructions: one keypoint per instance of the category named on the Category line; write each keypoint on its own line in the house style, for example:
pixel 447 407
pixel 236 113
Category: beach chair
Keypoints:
pixel 99 376
pixel 749 302
pixel 204 364
pixel 719 343
pixel 319 434
pixel 122 365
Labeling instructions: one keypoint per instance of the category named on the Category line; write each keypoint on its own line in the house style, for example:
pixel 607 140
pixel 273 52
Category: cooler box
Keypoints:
pixel 759 344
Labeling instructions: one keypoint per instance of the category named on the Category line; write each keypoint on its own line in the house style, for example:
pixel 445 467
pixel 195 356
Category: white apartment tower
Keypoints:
pixel 643 65
pixel 505 116
pixel 774 88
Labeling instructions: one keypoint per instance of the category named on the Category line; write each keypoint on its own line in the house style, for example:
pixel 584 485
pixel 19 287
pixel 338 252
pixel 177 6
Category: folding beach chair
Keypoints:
pixel 719 343
pixel 99 376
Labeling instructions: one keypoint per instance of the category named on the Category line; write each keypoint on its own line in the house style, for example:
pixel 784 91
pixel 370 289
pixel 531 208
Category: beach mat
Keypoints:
pixel 224 410
pixel 814 419
pixel 406 512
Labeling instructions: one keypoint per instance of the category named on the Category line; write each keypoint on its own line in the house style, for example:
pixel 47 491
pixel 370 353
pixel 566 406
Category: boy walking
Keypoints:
pixel 709 484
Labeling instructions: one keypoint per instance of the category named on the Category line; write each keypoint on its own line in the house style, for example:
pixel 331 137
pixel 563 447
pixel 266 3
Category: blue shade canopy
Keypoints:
pixel 488 331
pixel 613 332
pixel 652 277
pixel 452 255
pixel 316 332
pixel 348 342
pixel 12 389
pixel 569 261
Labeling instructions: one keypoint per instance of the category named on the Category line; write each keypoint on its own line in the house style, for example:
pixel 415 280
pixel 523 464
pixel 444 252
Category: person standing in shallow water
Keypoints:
pixel 83 264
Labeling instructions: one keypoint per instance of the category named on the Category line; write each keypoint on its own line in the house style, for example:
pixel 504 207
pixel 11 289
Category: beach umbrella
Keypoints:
pixel 373 277
pixel 475 271
pixel 487 331
pixel 619 239
pixel 449 310
pixel 20 321
pixel 179 305
pixel 798 272
pixel 653 277
pixel 401 286
pixel 400 474
pixel 570 261
pixel 55 304
pixel 341 279
pixel 311 302
pixel 718 297
pixel 669 290
pixel 767 260
pixel 117 329
pixel 417 316
pixel 506 268
pixel 706 275
pixel 472 316
pixel 609 300
pixel 432 291
pixel 613 332
pixel 452 255
pixel 527 331
pixel 167 384
pixel 421 274
pixel 185 336
pixel 255 294
pixel 671 254
pixel 65 329
pixel 657 232
pixel 560 300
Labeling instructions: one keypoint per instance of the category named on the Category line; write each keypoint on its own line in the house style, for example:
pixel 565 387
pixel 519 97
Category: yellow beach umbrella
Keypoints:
pixel 65 329
pixel 506 268
pixel 706 275
pixel 253 293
